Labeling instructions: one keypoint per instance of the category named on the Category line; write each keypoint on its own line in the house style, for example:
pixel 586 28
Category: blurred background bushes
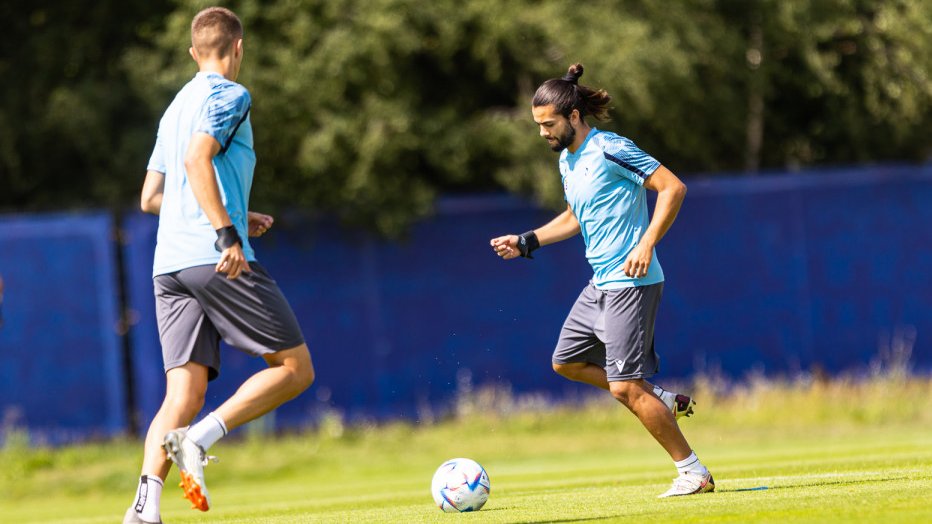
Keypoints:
pixel 370 109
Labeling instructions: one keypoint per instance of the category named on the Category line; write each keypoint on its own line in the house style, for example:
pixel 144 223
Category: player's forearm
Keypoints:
pixel 560 228
pixel 201 176
pixel 669 201
pixel 150 201
pixel 153 204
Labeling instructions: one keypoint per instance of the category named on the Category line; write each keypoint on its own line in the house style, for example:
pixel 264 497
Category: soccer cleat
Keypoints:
pixel 131 517
pixel 683 406
pixel 680 405
pixel 690 484
pixel 191 460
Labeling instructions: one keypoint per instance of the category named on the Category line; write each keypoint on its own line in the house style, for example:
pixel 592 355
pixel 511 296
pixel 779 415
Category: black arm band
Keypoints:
pixel 527 243
pixel 227 237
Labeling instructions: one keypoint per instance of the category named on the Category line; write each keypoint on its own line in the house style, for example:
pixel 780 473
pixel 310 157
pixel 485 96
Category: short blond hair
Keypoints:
pixel 214 30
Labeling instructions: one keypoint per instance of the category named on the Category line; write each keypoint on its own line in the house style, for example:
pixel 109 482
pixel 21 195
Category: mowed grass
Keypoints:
pixel 838 451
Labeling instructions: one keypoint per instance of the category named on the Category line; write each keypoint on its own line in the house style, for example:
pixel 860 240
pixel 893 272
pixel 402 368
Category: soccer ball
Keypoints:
pixel 460 485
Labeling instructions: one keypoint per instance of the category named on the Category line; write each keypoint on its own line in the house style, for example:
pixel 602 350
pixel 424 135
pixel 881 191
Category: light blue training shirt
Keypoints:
pixel 604 186
pixel 210 104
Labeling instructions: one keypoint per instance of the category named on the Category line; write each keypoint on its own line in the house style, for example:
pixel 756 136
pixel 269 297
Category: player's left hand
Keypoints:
pixel 259 223
pixel 638 261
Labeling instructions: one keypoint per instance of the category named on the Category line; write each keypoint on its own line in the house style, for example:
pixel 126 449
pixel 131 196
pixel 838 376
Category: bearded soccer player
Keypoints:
pixel 207 282
pixel 607 339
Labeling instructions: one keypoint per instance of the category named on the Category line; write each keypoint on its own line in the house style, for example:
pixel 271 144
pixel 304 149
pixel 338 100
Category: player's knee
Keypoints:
pixel 623 392
pixel 298 365
pixel 304 377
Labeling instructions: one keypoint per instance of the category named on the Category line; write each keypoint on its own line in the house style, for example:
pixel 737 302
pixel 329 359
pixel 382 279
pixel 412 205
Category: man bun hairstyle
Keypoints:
pixel 565 94
pixel 573 73
pixel 214 30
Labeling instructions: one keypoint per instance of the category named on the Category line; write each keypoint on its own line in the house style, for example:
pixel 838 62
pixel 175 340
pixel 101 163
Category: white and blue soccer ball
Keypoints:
pixel 460 485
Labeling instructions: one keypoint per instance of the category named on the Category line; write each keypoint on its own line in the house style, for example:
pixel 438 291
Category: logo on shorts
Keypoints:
pixel 621 366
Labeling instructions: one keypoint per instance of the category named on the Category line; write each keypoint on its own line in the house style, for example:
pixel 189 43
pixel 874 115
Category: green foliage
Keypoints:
pixel 72 132
pixel 847 80
pixel 368 109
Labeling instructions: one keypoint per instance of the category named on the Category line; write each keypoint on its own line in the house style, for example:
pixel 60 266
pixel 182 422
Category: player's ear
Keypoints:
pixel 193 53
pixel 238 46
pixel 574 117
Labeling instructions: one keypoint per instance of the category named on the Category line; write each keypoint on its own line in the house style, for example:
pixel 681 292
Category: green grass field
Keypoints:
pixel 826 452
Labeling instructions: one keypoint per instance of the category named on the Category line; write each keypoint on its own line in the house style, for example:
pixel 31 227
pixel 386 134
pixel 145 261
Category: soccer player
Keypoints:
pixel 207 282
pixel 607 339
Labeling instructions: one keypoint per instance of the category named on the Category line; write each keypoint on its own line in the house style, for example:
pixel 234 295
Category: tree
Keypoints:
pixel 368 109
pixel 70 128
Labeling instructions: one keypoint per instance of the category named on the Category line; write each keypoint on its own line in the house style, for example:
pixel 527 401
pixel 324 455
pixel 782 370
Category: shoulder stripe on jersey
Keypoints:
pixel 235 129
pixel 630 167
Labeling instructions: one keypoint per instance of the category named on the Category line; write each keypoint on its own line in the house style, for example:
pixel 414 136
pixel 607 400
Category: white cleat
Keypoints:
pixel 191 460
pixel 690 484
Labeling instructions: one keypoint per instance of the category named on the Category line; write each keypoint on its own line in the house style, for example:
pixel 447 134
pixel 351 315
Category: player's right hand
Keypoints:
pixel 506 246
pixel 232 262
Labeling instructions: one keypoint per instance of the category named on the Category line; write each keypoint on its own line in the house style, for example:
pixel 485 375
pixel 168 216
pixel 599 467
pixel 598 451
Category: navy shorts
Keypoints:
pixel 613 328
pixel 197 307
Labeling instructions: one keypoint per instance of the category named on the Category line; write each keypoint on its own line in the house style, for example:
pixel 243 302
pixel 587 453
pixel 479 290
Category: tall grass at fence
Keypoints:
pixel 485 421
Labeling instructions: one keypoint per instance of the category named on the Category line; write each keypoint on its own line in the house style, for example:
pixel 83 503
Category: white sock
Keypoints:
pixel 148 498
pixel 691 465
pixel 666 396
pixel 208 431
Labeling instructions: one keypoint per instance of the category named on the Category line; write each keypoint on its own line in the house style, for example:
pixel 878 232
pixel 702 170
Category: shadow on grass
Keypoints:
pixel 587 519
pixel 582 519
pixel 815 484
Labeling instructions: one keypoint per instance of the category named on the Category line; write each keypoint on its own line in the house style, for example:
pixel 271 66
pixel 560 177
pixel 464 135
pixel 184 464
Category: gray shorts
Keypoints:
pixel 196 307
pixel 614 329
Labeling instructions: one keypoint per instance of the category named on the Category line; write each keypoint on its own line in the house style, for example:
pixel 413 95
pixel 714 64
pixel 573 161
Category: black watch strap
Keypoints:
pixel 527 243
pixel 227 237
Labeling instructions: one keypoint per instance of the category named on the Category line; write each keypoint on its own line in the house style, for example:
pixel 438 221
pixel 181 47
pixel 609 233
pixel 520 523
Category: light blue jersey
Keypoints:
pixel 603 182
pixel 210 104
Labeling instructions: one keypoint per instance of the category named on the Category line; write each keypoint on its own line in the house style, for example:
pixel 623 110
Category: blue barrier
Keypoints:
pixel 786 273
pixel 391 327
pixel 61 358
pixel 774 274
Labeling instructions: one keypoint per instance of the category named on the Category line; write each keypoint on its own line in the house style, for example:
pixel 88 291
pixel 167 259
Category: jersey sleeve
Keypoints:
pixel 157 160
pixel 226 108
pixel 628 161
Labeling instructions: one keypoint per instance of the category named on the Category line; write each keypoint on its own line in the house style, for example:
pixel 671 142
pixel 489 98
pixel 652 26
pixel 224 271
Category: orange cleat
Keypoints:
pixel 191 460
pixel 192 492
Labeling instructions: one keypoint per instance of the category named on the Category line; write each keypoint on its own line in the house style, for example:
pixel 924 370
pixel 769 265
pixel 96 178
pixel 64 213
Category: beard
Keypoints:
pixel 564 141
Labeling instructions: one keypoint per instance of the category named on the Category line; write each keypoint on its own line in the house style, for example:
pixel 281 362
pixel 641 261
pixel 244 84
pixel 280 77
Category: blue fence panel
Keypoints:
pixel 449 308
pixel 732 285
pixel 789 272
pixel 60 351
pixel 777 273
pixel 869 252
pixel 391 327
